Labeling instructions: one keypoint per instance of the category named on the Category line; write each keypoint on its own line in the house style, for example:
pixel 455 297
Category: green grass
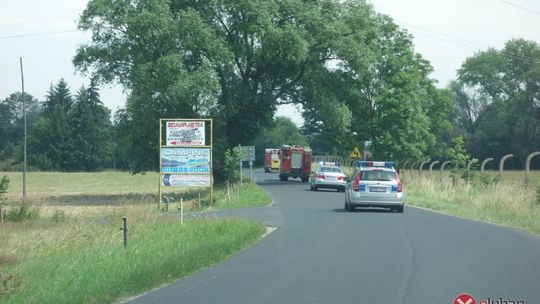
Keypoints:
pixel 73 253
pixel 509 205
pixel 249 195
pixel 159 252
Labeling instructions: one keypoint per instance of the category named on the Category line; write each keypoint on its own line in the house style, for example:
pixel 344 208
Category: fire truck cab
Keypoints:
pixel 295 162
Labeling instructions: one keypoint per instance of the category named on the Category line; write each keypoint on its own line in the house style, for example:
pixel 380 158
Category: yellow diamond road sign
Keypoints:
pixel 356 153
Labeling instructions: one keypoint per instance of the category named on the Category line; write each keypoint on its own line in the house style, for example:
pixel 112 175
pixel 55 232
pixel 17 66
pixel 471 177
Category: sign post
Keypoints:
pixel 248 154
pixel 186 157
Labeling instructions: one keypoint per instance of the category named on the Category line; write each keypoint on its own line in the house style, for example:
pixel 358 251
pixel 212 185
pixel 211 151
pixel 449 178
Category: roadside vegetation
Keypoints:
pixel 509 204
pixel 482 197
pixel 66 245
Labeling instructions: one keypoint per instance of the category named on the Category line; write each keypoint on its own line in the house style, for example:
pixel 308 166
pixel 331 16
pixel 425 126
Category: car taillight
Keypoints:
pixel 341 178
pixel 356 182
pixel 320 176
pixel 399 186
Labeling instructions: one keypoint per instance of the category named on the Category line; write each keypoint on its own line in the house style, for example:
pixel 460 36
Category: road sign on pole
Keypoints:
pixel 248 153
pixel 356 153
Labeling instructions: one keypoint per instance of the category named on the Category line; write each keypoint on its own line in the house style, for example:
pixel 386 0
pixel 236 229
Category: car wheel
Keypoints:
pixel 315 188
pixel 311 187
pixel 399 209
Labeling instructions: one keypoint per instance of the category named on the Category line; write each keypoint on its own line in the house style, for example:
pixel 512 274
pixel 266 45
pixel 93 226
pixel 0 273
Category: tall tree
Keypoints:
pixel 50 145
pixel 12 124
pixel 91 127
pixel 508 82
pixel 238 60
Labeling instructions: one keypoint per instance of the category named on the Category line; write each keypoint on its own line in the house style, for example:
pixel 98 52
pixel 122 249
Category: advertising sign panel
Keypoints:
pixel 185 160
pixel 185 133
pixel 171 180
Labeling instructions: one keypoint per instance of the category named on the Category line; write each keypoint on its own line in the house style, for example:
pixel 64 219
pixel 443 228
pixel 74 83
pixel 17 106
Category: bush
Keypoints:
pixel 232 164
pixel 487 179
pixel 19 214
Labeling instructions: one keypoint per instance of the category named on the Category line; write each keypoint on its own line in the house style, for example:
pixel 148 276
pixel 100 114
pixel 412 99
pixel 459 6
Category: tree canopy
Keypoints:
pixel 352 69
pixel 497 101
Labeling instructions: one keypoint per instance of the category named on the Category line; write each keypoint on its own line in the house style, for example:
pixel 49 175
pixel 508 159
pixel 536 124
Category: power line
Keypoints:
pixel 463 42
pixel 36 34
pixel 519 6
pixel 36 21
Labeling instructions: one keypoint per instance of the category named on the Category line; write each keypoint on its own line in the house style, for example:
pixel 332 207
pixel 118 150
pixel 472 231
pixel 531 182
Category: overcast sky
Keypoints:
pixel 44 34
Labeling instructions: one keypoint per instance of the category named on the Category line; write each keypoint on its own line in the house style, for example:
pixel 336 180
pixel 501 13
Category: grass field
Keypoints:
pixel 509 204
pixel 72 251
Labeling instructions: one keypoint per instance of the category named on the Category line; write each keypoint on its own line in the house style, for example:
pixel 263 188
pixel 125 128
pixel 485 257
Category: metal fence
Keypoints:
pixel 349 164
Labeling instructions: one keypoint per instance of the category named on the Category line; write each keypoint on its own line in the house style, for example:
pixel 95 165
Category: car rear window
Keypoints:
pixel 378 176
pixel 330 169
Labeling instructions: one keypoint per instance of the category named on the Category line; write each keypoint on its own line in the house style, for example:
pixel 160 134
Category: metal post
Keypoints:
pixel 251 171
pixel 484 163
pixel 422 165
pixel 24 137
pixel 501 166
pixel 1 215
pixel 181 210
pixel 228 192
pixel 160 176
pixel 442 167
pixel 240 173
pixel 527 167
pixel 432 165
pixel 200 205
pixel 125 228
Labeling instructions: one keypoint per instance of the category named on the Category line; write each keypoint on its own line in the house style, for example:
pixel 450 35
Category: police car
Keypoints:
pixel 374 184
pixel 329 175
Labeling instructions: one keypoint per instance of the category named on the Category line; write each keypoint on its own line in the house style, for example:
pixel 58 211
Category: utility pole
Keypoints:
pixel 24 140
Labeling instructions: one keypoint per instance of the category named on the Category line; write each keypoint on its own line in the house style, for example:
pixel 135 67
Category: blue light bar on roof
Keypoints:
pixel 375 164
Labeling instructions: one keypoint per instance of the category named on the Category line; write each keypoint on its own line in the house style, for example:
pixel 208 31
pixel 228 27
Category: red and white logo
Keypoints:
pixel 464 299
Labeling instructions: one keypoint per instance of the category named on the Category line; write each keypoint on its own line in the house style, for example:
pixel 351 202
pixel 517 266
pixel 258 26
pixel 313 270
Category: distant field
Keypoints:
pixel 86 188
pixel 40 184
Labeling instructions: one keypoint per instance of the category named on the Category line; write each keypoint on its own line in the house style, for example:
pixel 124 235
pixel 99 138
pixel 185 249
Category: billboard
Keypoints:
pixel 185 133
pixel 171 180
pixel 185 160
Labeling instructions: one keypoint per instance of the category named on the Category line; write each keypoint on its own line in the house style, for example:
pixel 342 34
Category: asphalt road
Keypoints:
pixel 322 254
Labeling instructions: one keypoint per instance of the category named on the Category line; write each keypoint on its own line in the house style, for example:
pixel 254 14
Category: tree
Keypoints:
pixel 502 89
pixel 50 145
pixel 238 60
pixel 90 126
pixel 12 124
pixel 282 132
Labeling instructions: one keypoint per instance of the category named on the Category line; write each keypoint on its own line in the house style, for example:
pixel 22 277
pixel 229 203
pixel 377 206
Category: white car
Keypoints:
pixel 375 184
pixel 328 176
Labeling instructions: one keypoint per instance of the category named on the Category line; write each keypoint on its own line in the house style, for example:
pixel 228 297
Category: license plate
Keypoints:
pixel 332 177
pixel 377 189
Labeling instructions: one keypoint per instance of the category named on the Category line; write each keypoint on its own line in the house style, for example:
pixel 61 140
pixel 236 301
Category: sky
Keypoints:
pixel 45 35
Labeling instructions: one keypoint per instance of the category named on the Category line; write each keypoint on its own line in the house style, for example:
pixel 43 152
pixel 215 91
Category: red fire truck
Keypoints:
pixel 295 162
pixel 271 159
